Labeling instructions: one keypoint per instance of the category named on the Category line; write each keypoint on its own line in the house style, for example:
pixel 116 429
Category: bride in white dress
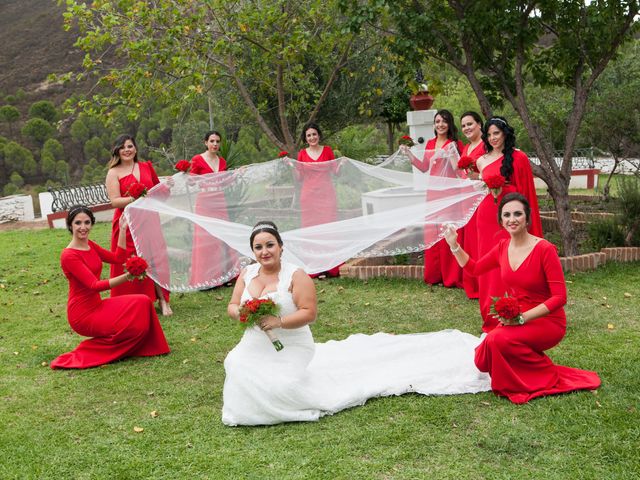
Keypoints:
pixel 305 381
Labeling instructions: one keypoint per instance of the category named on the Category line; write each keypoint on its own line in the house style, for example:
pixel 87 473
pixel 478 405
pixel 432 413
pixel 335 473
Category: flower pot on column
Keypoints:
pixel 421 101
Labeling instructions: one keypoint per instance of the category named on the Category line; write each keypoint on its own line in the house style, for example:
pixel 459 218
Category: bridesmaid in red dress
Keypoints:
pixel 513 352
pixel 124 171
pixel 318 201
pixel 439 264
pixel 123 326
pixel 502 158
pixel 471 126
pixel 205 270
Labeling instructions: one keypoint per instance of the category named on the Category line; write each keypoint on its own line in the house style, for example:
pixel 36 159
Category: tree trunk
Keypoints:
pixel 390 135
pixel 560 194
pixel 607 186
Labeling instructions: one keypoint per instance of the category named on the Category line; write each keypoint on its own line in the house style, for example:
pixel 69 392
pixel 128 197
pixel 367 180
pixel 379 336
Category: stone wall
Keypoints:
pixel 16 208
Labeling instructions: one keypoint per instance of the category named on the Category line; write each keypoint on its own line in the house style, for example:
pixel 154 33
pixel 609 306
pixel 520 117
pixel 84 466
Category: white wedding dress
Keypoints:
pixel 307 380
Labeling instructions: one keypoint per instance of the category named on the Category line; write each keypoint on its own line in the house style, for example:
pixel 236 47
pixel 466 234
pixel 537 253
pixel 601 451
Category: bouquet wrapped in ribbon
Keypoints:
pixel 253 310
pixel 136 190
pixel 136 267
pixel 183 166
pixel 507 310
pixel 495 184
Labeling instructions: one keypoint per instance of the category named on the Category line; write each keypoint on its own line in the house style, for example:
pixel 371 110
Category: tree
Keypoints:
pixel 16 179
pixel 44 109
pixel 289 61
pixel 501 47
pixel 612 122
pixel 9 114
pixel 38 130
pixel 17 158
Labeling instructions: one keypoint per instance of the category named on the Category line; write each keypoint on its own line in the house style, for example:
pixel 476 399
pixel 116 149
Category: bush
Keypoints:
pixel 44 109
pixel 604 233
pixel 10 189
pixel 629 200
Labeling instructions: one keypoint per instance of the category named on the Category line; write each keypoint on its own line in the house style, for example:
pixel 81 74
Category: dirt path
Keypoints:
pixel 35 225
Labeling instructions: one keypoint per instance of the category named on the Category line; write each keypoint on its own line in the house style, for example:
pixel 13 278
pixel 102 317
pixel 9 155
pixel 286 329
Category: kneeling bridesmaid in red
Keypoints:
pixel 122 326
pixel 513 352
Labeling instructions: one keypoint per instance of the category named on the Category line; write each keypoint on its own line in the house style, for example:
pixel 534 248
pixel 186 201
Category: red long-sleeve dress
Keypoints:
pixel 514 355
pixel 148 178
pixel 208 252
pixel 123 326
pixel 318 201
pixel 469 236
pixel 490 232
pixel 440 266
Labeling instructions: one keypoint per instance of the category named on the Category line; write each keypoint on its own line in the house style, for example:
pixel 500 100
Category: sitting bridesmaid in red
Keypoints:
pixel 471 126
pixel 124 171
pixel 123 326
pixel 439 264
pixel 513 352
pixel 206 270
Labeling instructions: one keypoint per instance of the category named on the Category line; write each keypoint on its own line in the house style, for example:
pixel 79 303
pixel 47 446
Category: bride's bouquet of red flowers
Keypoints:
pixel 467 164
pixel 506 308
pixel 183 166
pixel 495 184
pixel 136 267
pixel 253 310
pixel 406 140
pixel 136 190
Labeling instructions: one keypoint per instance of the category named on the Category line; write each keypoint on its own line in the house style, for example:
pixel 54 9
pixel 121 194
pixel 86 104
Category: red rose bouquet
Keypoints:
pixel 495 184
pixel 253 310
pixel 467 164
pixel 183 166
pixel 136 267
pixel 136 190
pixel 506 309
pixel 406 140
pixel 283 154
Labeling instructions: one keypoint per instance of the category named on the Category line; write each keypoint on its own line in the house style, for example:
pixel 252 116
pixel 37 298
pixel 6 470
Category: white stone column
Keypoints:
pixel 420 124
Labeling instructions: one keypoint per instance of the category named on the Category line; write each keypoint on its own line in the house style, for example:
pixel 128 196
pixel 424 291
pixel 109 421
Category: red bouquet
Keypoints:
pixel 467 164
pixel 253 310
pixel 283 154
pixel 136 267
pixel 506 309
pixel 136 190
pixel 406 140
pixel 183 166
pixel 495 184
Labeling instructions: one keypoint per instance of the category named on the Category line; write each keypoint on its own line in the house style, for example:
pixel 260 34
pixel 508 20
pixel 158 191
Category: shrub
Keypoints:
pixel 604 233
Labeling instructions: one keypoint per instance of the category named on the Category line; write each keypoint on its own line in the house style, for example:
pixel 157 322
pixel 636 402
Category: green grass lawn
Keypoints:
pixel 80 424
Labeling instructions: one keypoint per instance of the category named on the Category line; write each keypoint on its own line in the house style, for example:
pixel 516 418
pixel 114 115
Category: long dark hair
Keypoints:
pixel 265 226
pixel 506 169
pixel 117 145
pixel 447 116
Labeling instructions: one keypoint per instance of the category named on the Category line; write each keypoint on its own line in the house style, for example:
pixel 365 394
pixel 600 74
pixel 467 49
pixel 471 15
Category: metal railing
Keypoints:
pixel 583 158
pixel 89 195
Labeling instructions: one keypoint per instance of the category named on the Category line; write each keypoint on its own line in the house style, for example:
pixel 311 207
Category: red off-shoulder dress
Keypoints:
pixel 148 178
pixel 122 326
pixel 514 355
pixel 490 232
pixel 469 237
pixel 440 266
pixel 318 201
pixel 208 252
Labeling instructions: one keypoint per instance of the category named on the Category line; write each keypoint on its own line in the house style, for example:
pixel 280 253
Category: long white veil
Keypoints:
pixel 194 230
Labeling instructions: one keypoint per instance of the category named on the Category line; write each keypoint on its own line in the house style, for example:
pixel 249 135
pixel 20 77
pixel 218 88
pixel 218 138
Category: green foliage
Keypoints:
pixel 360 142
pixel 10 189
pixel 54 148
pixel 18 157
pixel 44 109
pixel 38 130
pixel 9 114
pixel 604 233
pixel 94 149
pixel 93 172
pixel 629 201
pixel 16 179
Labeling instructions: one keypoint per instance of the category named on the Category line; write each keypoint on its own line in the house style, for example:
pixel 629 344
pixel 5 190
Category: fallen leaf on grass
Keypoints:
pixel 138 429
pixel 627 295
pixel 44 364
pixel 598 404
pixel 185 361
pixel 340 288
pixel 193 339
pixel 154 414
pixel 367 304
pixel 219 297
pixel 321 291
pixel 16 353
pixel 486 403
pixel 610 326
pixel 34 347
